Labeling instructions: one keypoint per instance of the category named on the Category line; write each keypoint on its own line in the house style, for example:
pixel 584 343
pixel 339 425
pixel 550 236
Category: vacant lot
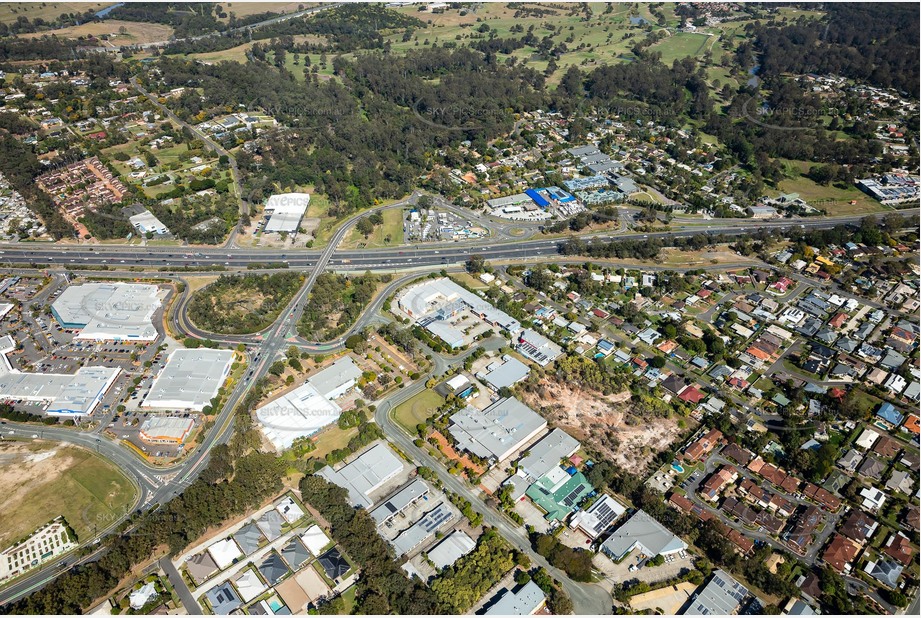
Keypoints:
pixel 417 410
pixel 611 425
pixel 387 234
pixel 245 9
pixel 835 200
pixel 330 439
pixel 117 32
pixel 39 481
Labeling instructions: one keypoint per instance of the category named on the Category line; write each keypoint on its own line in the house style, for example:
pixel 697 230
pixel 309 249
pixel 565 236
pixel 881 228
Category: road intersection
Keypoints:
pixel 157 485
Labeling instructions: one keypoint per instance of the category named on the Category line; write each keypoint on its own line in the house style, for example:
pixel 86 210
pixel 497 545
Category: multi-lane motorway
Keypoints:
pixel 382 259
pixel 157 485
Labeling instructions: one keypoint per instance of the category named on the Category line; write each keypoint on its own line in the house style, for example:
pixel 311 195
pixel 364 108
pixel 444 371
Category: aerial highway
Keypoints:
pixel 114 256
pixel 156 485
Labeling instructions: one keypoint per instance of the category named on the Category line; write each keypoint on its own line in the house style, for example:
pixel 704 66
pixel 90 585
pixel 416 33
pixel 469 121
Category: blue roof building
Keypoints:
pixel 537 198
pixel 889 414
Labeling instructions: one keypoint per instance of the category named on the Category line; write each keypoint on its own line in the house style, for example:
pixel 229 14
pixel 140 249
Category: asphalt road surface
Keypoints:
pixel 158 485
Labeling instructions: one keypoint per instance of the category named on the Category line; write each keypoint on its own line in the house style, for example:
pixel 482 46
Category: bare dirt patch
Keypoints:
pixel 608 424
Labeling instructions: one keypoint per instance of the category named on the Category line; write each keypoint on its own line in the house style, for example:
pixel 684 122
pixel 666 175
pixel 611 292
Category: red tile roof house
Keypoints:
pixel 703 445
pixel 782 284
pixel 902 335
pixel 714 485
pixel 838 321
pixel 899 548
pixel 841 551
pixel 691 395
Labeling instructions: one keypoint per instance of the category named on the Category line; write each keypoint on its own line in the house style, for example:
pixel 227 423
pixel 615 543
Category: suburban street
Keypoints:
pixel 158 485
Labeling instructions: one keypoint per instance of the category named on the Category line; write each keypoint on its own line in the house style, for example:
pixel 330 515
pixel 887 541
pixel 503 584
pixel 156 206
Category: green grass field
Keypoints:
pixel 682 45
pixel 87 490
pixel 834 199
pixel 391 229
pixel 11 11
pixel 469 280
pixel 330 439
pixel 417 410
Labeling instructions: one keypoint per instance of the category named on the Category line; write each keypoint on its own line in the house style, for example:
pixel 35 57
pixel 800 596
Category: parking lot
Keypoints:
pixel 634 567
pixel 43 346
pixel 433 225
pixel 127 426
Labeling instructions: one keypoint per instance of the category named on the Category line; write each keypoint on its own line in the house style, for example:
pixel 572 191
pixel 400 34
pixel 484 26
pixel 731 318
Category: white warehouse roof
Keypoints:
pixel 439 298
pixel 103 311
pixel 451 548
pixel 74 394
pixel 498 431
pixel 302 412
pixel 333 381
pixel 145 221
pixel 285 211
pixel 190 379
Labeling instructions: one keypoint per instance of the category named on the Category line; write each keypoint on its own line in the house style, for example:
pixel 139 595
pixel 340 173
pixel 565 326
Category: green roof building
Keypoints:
pixel 558 492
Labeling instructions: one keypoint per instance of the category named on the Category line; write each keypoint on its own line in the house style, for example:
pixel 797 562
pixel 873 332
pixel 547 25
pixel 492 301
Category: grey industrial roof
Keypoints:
pixel 295 554
pixel 522 603
pixel 451 548
pixel 508 373
pixel 645 533
pixel 272 568
pixel 286 211
pixel 413 536
pixel 172 427
pixel 366 473
pixel 436 298
pixel 223 599
pixel 547 453
pixel 583 151
pixel 399 501
pixel 509 200
pixel 77 393
pixel 722 595
pixel 249 538
pixel 333 377
pixel 497 431
pixel 190 379
pixel 270 523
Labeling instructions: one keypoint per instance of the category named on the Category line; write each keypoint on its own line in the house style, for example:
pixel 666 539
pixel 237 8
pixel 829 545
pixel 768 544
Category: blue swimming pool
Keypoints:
pixel 677 467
